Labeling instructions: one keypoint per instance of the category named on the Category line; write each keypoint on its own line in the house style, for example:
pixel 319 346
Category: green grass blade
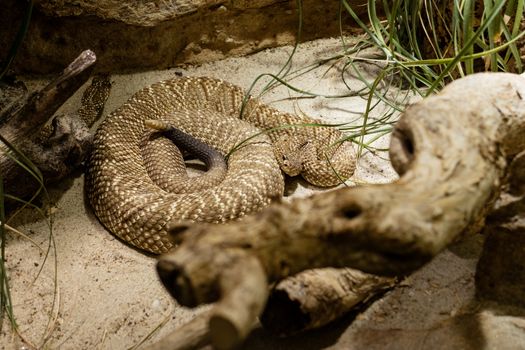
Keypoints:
pixel 490 17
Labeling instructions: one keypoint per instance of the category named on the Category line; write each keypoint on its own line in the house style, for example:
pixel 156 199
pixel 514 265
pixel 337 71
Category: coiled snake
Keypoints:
pixel 135 193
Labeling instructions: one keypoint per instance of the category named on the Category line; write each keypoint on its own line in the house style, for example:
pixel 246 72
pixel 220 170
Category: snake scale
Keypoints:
pixel 136 192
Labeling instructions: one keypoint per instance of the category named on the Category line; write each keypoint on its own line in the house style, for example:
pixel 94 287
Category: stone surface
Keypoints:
pixel 140 35
pixel 500 275
pixel 142 13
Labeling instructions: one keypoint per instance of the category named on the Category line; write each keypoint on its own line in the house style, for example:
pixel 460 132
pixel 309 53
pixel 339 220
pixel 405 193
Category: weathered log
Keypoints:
pixel 192 335
pixel 25 118
pixel 61 150
pixel 451 151
pixel 314 298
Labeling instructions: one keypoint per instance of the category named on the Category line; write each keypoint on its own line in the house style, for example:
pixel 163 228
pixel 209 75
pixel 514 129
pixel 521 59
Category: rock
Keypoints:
pixel 500 275
pixel 143 13
pixel 139 35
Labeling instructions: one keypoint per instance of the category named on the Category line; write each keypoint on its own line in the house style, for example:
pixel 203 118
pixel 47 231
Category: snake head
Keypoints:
pixel 290 154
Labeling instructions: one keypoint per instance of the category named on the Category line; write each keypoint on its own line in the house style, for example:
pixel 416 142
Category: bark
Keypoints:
pixel 314 298
pixel 28 116
pixel 451 151
pixel 192 335
pixel 55 155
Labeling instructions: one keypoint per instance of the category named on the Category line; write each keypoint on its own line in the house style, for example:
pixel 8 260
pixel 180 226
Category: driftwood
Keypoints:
pixel 193 335
pixel 314 298
pixel 55 153
pixel 451 151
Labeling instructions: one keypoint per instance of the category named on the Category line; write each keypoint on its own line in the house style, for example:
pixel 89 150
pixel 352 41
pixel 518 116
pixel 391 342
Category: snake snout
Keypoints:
pixel 291 167
pixel 290 164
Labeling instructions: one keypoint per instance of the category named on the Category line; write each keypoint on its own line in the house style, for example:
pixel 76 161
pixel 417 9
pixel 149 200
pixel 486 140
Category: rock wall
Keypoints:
pixel 140 35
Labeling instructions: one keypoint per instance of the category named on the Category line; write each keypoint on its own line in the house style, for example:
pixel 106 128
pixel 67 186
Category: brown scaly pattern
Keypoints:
pixel 133 207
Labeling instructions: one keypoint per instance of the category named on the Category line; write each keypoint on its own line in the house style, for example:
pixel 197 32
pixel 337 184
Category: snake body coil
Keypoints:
pixel 137 181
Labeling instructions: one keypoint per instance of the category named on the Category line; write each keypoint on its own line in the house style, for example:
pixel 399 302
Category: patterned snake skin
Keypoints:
pixel 136 193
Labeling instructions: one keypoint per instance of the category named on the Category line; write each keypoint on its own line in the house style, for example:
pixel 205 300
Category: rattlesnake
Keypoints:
pixel 133 206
